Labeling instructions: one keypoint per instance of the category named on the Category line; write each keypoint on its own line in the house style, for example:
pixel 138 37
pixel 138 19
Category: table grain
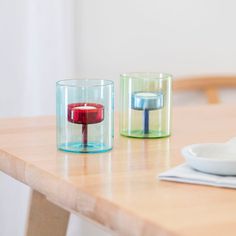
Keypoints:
pixel 120 189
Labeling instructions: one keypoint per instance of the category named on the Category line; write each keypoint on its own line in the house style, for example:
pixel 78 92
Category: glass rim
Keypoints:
pixel 68 83
pixel 147 75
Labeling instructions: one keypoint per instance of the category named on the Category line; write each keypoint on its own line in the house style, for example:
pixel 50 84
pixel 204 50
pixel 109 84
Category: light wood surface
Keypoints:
pixel 119 189
pixel 210 85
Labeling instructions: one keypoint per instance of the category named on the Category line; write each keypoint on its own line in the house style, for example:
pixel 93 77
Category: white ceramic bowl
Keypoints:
pixel 213 158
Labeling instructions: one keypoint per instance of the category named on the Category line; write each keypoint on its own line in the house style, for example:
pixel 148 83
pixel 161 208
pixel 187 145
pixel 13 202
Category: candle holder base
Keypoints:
pixel 141 134
pixel 79 147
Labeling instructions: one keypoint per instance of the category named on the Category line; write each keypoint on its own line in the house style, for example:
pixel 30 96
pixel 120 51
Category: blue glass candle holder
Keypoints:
pixel 145 105
pixel 85 115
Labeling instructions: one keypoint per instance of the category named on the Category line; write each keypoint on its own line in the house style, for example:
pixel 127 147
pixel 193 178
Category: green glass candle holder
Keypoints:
pixel 145 105
pixel 85 115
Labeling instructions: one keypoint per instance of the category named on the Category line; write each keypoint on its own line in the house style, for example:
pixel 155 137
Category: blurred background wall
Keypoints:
pixel 44 41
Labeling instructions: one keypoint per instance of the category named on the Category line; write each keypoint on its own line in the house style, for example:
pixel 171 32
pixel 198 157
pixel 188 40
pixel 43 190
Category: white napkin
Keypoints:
pixel 184 173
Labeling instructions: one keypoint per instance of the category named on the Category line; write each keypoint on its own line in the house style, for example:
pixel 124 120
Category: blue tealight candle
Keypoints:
pixel 147 101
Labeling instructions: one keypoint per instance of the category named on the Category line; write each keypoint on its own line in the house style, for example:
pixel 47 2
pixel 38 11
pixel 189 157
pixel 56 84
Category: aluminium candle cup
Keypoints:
pixel 85 115
pixel 145 105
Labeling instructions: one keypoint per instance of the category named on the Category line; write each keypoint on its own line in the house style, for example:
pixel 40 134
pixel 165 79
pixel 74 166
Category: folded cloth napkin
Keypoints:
pixel 184 173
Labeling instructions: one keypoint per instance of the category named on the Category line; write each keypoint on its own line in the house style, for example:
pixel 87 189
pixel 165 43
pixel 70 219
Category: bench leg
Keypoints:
pixel 46 218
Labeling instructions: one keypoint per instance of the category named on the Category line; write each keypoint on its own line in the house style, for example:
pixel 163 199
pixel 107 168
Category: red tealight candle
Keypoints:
pixel 85 113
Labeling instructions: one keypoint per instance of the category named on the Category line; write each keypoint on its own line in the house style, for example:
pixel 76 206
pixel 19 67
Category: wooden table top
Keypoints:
pixel 119 189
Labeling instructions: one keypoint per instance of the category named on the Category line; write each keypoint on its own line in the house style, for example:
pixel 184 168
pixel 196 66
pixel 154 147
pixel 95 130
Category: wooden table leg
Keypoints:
pixel 46 218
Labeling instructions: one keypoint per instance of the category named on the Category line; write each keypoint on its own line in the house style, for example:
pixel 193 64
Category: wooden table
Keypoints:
pixel 120 189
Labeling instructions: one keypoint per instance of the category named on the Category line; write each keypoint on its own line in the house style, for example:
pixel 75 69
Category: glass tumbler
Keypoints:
pixel 85 115
pixel 145 105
